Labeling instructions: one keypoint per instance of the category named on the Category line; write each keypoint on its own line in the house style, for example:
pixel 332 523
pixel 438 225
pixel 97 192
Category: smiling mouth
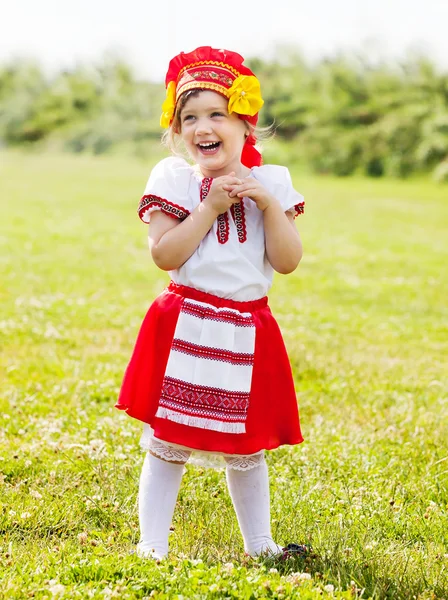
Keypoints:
pixel 209 147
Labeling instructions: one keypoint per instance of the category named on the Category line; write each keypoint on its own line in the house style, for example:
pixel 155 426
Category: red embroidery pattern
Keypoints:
pixel 219 79
pixel 225 316
pixel 213 76
pixel 205 187
pixel 299 208
pixel 210 62
pixel 223 228
pixel 235 358
pixel 169 208
pixel 239 217
pixel 216 395
pixel 223 220
pixel 202 401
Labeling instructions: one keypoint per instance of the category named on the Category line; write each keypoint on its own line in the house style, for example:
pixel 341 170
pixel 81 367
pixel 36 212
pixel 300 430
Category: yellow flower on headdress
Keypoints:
pixel 168 106
pixel 245 96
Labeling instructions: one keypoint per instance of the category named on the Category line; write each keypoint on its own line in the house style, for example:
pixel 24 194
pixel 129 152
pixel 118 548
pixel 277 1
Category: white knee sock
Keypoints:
pixel 249 491
pixel 159 486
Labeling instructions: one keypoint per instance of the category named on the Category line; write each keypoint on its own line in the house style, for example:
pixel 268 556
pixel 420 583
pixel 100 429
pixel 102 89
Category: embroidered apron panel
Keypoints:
pixel 209 371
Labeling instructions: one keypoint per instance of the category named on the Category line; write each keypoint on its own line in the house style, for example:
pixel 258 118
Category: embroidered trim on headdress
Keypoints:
pixel 210 62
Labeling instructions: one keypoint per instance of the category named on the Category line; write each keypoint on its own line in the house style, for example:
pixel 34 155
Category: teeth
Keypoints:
pixel 208 144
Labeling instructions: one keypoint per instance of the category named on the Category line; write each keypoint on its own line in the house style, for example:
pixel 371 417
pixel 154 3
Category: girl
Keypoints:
pixel 209 371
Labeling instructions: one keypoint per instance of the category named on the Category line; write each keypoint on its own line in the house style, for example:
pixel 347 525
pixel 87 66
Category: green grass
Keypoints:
pixel 365 321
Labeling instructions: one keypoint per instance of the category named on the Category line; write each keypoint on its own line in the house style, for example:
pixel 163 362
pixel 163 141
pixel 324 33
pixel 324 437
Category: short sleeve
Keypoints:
pixel 168 190
pixel 277 180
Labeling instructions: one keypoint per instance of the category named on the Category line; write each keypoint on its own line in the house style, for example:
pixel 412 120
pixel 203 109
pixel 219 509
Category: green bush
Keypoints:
pixel 339 116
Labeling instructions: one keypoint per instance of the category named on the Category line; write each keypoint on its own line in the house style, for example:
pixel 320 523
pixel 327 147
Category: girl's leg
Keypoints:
pixel 249 491
pixel 159 487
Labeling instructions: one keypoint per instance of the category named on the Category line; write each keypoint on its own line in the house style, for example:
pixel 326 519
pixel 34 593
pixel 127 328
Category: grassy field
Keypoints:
pixel 365 321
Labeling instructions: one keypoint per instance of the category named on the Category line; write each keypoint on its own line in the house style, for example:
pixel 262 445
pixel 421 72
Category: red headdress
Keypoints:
pixel 221 71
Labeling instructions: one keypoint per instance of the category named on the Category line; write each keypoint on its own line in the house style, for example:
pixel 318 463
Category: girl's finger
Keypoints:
pixel 244 188
pixel 231 186
pixel 239 188
pixel 250 192
pixel 230 178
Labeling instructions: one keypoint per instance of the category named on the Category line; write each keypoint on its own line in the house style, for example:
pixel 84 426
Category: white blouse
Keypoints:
pixel 231 260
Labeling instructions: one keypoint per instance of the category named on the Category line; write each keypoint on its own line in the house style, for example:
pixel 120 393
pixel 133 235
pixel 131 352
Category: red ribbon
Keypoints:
pixel 250 157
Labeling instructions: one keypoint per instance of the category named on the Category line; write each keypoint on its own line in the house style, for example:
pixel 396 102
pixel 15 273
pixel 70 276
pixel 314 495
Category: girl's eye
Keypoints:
pixel 217 114
pixel 187 118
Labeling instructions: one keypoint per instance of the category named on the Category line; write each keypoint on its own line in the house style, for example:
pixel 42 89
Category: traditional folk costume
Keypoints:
pixel 209 371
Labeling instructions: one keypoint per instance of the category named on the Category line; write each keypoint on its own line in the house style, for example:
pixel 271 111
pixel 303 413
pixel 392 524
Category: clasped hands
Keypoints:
pixel 229 189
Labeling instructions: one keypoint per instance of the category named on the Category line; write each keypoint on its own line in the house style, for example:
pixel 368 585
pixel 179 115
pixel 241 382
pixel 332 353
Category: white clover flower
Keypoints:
pixel 228 567
pixel 56 589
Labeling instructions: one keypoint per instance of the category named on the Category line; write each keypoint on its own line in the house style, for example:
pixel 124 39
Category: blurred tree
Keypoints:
pixel 340 115
pixel 21 84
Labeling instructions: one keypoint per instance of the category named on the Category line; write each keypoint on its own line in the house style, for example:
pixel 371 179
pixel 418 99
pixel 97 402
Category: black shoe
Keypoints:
pixel 302 550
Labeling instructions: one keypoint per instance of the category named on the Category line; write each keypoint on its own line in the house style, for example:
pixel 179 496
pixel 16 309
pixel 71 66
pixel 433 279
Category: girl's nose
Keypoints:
pixel 203 127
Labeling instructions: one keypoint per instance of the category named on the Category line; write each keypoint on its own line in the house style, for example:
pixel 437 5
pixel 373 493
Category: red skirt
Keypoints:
pixel 212 374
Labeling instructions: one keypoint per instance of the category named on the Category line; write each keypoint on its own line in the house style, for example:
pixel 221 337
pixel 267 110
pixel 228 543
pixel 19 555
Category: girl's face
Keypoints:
pixel 213 137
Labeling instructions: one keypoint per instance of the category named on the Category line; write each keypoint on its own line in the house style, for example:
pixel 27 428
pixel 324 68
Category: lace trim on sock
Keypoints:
pixel 166 452
pixel 244 462
pixel 173 453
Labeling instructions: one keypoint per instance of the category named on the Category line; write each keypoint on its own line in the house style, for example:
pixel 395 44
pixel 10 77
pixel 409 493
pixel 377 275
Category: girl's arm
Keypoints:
pixel 283 244
pixel 172 242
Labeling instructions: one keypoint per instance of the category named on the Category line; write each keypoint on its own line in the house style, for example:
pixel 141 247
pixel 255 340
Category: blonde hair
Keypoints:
pixel 171 137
